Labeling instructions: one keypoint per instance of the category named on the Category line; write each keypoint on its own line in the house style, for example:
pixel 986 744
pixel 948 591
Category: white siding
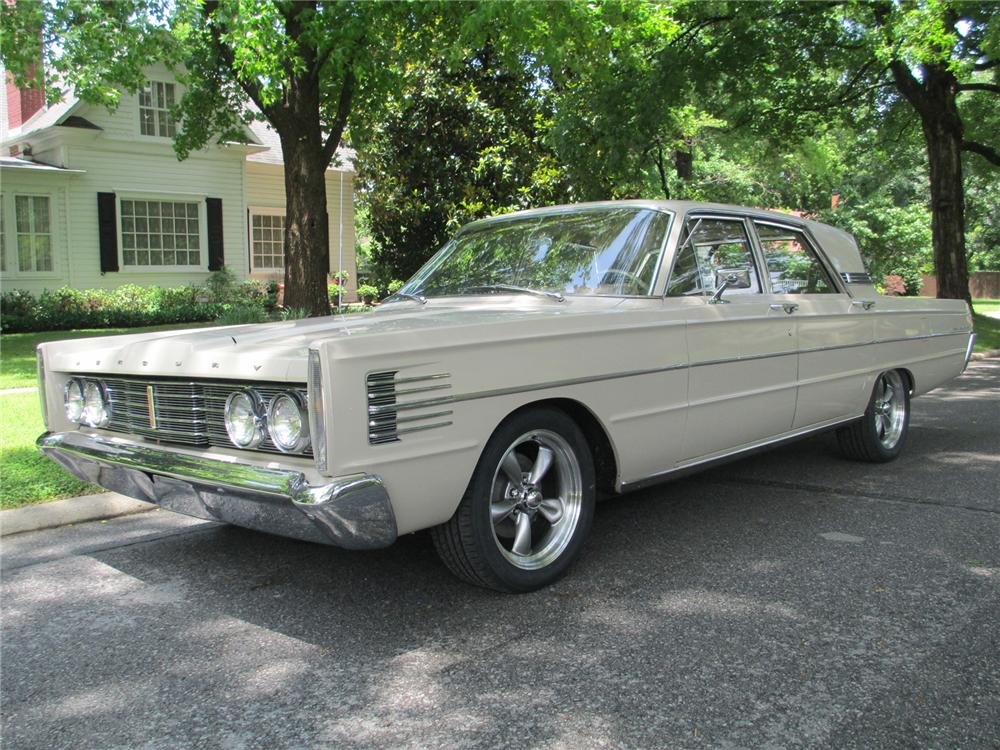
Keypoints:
pixel 265 188
pixel 56 186
pixel 118 159
pixel 123 122
pixel 152 171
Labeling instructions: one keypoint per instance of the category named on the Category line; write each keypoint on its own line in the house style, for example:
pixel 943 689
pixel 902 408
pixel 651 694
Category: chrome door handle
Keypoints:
pixel 788 307
pixel 865 304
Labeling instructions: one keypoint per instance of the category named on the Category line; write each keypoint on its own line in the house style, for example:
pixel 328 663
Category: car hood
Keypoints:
pixel 278 351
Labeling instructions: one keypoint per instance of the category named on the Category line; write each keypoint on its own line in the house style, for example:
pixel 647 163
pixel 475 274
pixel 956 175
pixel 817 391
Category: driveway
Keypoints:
pixel 792 599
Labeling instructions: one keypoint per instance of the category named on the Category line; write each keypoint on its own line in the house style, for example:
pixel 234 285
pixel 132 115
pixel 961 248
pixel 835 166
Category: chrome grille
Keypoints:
pixel 187 412
pixel 388 395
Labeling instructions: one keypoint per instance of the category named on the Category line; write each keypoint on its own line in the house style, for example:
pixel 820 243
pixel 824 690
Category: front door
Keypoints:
pixel 742 345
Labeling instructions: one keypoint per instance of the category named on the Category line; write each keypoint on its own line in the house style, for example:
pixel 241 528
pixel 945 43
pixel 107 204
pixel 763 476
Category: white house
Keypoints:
pixel 95 199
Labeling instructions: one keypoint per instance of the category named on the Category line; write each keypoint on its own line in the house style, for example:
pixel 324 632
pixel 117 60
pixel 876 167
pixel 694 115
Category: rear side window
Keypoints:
pixel 711 249
pixel 792 265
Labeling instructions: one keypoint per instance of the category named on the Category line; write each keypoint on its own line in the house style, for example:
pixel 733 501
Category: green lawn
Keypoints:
pixel 987 333
pixel 986 305
pixel 17 350
pixel 26 476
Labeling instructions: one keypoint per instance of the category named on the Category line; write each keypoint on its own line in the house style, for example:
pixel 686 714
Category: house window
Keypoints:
pixel 160 233
pixel 34 233
pixel 155 102
pixel 267 241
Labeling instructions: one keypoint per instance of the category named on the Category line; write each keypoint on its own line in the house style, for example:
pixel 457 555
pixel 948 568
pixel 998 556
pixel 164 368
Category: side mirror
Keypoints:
pixel 737 278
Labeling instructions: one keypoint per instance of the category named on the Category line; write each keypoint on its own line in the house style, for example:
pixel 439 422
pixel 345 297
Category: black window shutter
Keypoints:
pixel 107 230
pixel 216 255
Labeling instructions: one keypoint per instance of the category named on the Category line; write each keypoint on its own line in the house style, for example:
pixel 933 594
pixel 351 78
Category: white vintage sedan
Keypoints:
pixel 540 359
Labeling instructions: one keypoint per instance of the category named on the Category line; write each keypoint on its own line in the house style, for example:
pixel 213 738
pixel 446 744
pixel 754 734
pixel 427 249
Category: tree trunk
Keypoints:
pixel 943 134
pixel 934 100
pixel 307 225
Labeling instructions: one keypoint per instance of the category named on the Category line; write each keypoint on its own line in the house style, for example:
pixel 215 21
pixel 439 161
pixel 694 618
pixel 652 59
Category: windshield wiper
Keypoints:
pixel 406 295
pixel 518 289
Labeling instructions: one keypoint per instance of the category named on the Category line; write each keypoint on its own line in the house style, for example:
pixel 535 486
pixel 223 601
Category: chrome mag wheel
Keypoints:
pixel 535 499
pixel 889 406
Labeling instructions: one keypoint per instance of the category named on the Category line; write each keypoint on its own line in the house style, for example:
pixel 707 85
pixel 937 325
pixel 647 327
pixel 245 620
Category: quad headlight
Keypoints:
pixel 244 419
pixel 73 401
pixel 287 423
pixel 86 402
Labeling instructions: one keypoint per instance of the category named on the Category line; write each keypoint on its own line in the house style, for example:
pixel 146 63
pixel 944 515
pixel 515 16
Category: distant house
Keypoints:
pixel 95 199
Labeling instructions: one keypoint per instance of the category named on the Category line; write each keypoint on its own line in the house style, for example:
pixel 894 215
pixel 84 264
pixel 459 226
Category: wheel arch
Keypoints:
pixel 602 447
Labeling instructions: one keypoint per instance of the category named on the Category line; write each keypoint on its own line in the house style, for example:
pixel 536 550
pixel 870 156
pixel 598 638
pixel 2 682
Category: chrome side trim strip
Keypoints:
pixel 701 463
pixel 377 410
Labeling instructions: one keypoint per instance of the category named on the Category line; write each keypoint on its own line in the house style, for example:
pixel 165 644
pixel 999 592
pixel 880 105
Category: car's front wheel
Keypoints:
pixel 879 435
pixel 528 508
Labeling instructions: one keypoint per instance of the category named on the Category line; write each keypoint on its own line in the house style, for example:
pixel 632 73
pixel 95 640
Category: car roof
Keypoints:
pixel 838 244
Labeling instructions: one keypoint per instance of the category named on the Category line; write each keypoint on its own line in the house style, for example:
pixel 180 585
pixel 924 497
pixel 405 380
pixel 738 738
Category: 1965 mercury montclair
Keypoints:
pixel 539 359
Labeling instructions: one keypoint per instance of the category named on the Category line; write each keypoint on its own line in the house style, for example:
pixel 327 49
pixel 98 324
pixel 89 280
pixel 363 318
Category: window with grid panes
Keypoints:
pixel 34 233
pixel 268 241
pixel 160 233
pixel 155 101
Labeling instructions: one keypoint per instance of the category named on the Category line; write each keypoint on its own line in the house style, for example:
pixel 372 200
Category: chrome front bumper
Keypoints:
pixel 353 512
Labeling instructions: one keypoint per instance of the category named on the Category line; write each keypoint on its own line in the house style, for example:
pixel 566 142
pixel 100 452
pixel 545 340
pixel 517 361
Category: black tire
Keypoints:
pixel 869 438
pixel 476 550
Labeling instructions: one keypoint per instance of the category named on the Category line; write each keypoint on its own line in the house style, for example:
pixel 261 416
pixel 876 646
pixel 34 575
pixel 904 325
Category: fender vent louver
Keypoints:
pixel 856 278
pixel 392 410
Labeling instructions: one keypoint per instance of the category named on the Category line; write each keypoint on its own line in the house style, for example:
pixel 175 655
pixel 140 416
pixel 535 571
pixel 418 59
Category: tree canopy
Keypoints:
pixel 462 109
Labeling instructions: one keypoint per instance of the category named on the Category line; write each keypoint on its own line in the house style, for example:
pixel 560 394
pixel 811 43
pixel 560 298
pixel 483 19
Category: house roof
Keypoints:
pixel 15 162
pixel 63 113
pixel 267 137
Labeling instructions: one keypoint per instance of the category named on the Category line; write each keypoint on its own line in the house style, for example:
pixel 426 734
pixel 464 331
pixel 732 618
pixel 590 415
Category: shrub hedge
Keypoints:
pixel 128 305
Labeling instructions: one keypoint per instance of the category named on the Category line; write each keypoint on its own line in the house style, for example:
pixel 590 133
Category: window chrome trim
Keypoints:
pixel 836 283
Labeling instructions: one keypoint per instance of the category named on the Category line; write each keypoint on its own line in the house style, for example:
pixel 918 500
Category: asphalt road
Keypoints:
pixel 793 599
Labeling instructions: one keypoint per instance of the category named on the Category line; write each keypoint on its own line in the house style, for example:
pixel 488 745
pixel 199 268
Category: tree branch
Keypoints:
pixel 983 150
pixel 249 86
pixel 907 84
pixel 995 88
pixel 343 110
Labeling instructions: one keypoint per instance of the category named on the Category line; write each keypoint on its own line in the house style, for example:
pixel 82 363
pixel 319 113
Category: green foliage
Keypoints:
pixel 464 142
pixel 127 305
pixel 294 313
pixel 368 293
pixel 334 293
pixel 222 284
pixel 236 315
pixel 394 286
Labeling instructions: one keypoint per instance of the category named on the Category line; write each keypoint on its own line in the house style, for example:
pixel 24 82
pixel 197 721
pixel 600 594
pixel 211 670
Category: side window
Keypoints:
pixel 792 264
pixel 712 249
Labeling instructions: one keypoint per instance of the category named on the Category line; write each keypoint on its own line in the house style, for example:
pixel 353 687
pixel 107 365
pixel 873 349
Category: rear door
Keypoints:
pixel 832 330
pixel 742 347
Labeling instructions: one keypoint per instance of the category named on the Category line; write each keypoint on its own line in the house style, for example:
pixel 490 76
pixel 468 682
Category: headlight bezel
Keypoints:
pixel 257 412
pixel 78 384
pixel 303 439
pixel 105 404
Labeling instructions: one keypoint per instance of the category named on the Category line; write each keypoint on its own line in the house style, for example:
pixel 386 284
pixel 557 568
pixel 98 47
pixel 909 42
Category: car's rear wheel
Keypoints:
pixel 879 435
pixel 528 508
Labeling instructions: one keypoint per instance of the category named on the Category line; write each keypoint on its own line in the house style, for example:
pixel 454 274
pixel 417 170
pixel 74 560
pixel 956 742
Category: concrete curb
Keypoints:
pixel 69 511
pixel 976 356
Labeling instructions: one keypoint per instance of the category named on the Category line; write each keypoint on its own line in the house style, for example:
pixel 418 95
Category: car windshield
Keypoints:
pixel 604 251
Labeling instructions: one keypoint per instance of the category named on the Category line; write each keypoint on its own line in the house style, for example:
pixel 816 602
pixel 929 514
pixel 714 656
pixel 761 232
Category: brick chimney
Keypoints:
pixel 24 103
